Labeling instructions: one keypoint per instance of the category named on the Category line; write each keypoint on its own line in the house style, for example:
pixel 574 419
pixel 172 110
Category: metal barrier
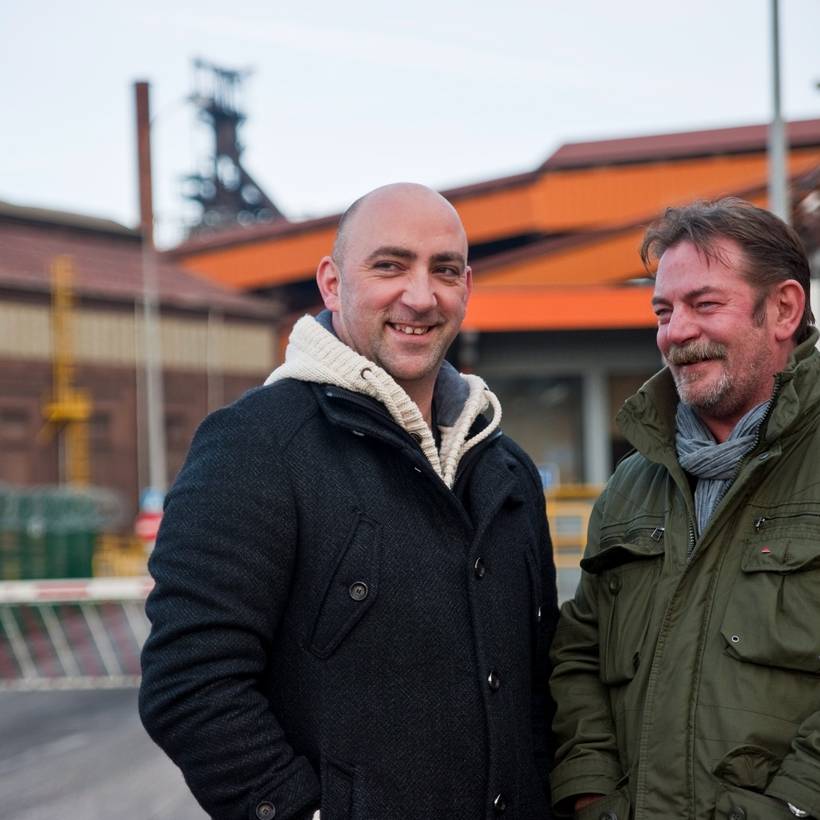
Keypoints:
pixel 73 633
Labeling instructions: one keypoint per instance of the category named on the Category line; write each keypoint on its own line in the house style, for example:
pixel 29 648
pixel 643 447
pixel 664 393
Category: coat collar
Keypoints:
pixel 315 354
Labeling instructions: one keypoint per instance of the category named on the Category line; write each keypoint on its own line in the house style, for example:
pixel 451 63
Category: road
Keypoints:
pixel 84 756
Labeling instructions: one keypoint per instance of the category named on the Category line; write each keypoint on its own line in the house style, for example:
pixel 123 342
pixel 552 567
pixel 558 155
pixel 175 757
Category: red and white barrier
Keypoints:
pixel 75 589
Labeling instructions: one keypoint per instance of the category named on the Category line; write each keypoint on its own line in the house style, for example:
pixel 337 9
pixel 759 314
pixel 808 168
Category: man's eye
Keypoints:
pixel 662 315
pixel 386 265
pixel 451 272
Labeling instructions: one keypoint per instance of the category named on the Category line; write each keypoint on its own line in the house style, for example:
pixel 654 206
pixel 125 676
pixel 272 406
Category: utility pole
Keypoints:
pixel 778 182
pixel 157 470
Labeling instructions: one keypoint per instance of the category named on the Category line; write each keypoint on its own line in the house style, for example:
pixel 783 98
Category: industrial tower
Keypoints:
pixel 227 193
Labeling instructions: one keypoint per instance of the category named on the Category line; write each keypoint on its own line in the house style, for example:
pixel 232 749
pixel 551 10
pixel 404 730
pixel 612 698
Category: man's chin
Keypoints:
pixel 405 372
pixel 704 396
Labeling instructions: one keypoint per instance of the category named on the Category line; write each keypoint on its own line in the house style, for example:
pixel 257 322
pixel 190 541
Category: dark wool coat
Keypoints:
pixel 332 624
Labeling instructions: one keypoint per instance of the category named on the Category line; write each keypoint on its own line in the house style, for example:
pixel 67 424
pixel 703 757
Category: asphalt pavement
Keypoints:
pixel 84 756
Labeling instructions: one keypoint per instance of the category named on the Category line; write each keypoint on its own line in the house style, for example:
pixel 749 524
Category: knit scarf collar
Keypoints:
pixel 315 354
pixel 713 464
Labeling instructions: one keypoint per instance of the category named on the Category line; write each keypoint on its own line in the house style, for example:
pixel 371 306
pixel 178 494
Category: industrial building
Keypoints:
pixel 559 322
pixel 72 353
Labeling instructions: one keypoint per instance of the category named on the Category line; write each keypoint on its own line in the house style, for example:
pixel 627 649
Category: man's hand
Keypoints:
pixel 586 800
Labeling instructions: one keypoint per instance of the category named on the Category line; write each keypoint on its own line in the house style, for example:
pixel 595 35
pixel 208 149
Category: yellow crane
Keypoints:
pixel 68 412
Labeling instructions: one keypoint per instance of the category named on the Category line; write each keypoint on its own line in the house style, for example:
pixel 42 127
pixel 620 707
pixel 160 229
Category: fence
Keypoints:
pixel 47 533
pixel 82 633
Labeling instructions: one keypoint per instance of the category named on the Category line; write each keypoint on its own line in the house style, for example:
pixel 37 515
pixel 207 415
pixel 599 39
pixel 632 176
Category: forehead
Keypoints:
pixel 684 268
pixel 420 223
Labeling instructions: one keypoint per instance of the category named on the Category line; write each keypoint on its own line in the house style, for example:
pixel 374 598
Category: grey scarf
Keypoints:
pixel 713 464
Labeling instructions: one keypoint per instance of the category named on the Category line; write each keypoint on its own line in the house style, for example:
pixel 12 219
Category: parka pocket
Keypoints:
pixel 628 569
pixel 733 803
pixel 615 806
pixel 774 607
pixel 352 588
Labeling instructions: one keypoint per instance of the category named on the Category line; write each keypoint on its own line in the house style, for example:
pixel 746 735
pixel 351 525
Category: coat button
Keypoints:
pixel 539 615
pixel 499 804
pixel 479 568
pixel 737 813
pixel 493 681
pixel 266 810
pixel 358 590
pixel 614 584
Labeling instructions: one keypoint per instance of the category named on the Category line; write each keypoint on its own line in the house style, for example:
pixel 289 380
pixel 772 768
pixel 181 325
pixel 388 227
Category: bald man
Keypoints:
pixel 354 582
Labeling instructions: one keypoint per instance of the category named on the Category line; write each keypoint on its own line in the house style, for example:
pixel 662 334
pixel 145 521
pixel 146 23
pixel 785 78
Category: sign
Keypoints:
pixel 146 526
pixel 151 500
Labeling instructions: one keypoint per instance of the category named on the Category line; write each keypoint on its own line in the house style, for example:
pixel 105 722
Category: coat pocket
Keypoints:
pixel 774 607
pixel 337 790
pixel 352 589
pixel 628 568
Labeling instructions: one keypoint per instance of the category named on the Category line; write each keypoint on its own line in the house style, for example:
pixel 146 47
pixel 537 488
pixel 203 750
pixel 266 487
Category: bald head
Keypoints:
pixel 398 283
pixel 397 194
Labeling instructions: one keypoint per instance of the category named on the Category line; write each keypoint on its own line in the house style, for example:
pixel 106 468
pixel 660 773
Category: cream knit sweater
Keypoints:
pixel 315 355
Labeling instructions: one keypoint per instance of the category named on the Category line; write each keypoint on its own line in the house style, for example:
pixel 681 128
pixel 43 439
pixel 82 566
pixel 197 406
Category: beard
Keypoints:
pixel 721 395
pixel 692 388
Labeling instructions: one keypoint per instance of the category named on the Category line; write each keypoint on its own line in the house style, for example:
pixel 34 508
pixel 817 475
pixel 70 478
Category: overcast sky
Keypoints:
pixel 347 96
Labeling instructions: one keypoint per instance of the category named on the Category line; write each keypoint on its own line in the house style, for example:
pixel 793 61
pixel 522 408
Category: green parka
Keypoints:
pixel 687 670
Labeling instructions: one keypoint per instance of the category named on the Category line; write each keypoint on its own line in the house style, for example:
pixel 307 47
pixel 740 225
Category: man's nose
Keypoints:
pixel 681 327
pixel 419 291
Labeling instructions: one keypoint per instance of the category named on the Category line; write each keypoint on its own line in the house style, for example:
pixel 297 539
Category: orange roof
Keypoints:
pixel 556 308
pixel 595 259
pixel 656 147
pixel 588 202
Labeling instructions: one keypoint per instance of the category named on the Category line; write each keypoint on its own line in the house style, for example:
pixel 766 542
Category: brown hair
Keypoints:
pixel 772 250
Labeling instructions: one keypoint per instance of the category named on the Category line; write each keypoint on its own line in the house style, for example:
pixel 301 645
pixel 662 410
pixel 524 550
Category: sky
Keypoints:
pixel 344 97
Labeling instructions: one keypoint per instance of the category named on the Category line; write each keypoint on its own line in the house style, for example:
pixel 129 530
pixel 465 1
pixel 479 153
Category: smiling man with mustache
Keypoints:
pixel 687 667
pixel 355 591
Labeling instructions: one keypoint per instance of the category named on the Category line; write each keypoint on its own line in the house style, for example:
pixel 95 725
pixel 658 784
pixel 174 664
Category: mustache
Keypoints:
pixel 695 352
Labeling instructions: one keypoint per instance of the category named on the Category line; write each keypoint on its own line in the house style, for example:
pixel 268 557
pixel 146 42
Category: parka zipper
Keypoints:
pixel 764 520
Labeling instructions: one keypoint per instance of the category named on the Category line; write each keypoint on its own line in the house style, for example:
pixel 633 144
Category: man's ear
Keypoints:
pixel 328 278
pixel 468 278
pixel 788 301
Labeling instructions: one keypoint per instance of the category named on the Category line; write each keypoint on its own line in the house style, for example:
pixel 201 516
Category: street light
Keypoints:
pixel 778 187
